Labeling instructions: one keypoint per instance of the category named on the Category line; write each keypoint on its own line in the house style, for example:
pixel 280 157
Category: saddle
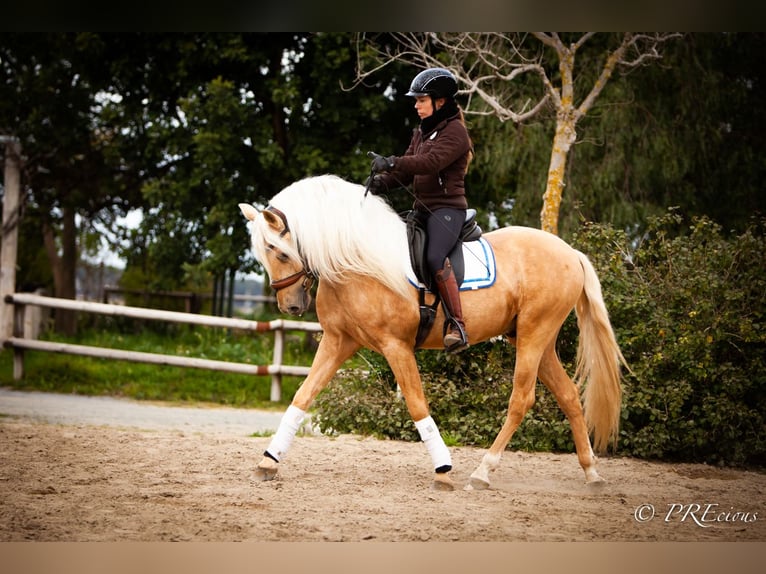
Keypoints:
pixel 417 239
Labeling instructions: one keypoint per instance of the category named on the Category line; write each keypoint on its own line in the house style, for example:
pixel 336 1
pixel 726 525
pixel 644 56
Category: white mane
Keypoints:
pixel 337 232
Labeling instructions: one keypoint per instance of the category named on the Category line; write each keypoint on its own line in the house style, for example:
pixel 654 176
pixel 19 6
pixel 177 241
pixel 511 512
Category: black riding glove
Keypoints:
pixel 375 185
pixel 381 164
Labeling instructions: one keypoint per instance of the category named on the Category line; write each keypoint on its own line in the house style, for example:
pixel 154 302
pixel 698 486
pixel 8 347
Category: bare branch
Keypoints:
pixel 485 65
pixel 547 39
pixel 606 72
pixel 645 47
pixel 490 67
pixel 634 50
pixel 584 38
pixel 492 70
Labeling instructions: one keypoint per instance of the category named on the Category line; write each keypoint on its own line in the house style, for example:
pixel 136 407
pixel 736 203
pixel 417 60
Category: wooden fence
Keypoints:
pixel 279 326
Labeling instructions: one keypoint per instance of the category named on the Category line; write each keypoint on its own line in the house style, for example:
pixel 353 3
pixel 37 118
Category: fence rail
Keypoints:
pixel 279 326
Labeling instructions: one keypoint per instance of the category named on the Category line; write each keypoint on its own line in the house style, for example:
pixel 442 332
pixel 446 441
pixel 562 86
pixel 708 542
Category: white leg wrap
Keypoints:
pixel 288 427
pixel 429 433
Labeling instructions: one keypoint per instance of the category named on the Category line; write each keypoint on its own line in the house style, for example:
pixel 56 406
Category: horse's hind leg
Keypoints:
pixel 522 399
pixel 553 376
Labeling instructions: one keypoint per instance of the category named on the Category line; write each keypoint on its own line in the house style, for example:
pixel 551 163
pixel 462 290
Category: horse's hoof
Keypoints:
pixel 266 470
pixel 264 474
pixel 443 483
pixel 478 483
pixel 595 484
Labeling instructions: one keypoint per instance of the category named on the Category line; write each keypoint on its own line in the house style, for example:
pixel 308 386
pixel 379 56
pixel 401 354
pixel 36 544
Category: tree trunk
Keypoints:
pixel 230 296
pixel 64 267
pixel 562 140
pixel 562 143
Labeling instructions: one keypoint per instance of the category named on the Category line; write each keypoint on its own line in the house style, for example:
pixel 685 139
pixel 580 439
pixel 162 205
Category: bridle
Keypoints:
pixel 308 276
pixel 294 278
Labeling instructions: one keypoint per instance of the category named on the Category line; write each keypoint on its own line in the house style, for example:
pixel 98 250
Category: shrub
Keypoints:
pixel 689 313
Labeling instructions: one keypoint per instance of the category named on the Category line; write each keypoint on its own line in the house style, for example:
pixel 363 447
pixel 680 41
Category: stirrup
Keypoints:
pixel 460 345
pixel 455 348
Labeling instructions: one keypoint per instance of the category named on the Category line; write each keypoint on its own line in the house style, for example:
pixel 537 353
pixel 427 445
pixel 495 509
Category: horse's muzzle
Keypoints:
pixel 295 303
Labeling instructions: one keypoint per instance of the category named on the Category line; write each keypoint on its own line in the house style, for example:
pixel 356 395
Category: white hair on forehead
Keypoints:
pixel 338 232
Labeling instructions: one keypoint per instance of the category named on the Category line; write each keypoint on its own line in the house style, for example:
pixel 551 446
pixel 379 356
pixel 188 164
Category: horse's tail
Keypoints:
pixel 598 362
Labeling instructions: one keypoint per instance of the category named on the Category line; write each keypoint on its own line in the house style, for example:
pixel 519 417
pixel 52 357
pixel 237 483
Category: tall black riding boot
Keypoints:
pixel 455 339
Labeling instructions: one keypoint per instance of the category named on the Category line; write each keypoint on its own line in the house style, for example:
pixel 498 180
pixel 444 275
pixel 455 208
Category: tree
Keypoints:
pixel 182 126
pixel 516 77
pixel 274 114
pixel 339 126
pixel 201 109
pixel 48 99
pixel 689 133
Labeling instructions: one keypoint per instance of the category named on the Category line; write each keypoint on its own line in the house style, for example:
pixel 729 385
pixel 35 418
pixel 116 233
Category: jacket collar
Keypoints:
pixel 441 116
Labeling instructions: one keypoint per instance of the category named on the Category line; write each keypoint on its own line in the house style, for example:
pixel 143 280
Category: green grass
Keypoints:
pixel 60 373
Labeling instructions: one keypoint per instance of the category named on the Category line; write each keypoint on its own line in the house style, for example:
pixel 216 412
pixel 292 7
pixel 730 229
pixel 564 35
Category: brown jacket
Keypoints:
pixel 435 164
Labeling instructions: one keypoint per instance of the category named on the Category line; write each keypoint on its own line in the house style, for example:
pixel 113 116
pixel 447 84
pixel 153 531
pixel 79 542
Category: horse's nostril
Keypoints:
pixel 294 310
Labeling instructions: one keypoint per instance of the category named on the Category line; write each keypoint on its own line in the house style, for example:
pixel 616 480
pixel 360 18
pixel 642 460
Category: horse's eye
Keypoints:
pixel 278 254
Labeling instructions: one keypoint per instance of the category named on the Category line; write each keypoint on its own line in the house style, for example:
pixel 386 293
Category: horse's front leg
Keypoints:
pixel 401 358
pixel 333 351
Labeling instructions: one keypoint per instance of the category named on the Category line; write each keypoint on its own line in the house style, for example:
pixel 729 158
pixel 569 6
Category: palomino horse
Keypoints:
pixel 356 246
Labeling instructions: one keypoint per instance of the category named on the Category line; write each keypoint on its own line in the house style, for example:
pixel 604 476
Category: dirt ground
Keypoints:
pixel 83 482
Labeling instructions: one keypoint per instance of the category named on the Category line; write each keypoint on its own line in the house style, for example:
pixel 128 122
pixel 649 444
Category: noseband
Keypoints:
pixel 292 279
pixel 295 277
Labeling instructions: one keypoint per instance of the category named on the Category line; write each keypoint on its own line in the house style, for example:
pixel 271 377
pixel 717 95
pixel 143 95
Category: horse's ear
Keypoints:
pixel 248 211
pixel 274 221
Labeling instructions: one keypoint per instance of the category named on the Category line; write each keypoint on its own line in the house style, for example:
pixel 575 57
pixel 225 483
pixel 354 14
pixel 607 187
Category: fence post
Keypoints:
pixel 10 233
pixel 19 312
pixel 279 351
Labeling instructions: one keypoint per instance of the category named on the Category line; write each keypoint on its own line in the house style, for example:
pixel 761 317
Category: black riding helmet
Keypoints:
pixel 434 82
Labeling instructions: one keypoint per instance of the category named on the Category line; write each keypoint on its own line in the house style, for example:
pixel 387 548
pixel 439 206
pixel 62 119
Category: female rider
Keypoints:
pixel 435 164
